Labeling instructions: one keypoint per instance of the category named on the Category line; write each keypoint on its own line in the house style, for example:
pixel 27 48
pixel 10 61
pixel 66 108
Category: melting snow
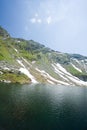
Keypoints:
pixel 71 77
pixel 6 68
pixel 20 62
pixel 15 49
pixel 75 60
pixel 1 72
pixel 26 61
pixel 26 72
pixel 59 73
pixel 50 82
pixel 58 69
pixel 18 41
pixel 76 68
pixel 45 74
pixel 79 82
pixel 62 69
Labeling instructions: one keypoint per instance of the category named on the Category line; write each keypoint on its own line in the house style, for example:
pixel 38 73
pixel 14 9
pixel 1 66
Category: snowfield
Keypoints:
pixel 61 72
pixel 67 78
pixel 25 71
pixel 46 75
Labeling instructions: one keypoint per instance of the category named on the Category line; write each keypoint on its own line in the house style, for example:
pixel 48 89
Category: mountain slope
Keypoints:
pixel 26 61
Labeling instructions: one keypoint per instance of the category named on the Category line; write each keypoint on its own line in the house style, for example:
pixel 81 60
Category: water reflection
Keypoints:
pixel 36 107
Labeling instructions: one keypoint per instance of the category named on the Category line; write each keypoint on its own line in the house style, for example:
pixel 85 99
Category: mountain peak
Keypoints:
pixel 3 32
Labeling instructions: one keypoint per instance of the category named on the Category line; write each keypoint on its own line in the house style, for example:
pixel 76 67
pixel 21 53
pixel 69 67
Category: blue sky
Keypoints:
pixel 58 24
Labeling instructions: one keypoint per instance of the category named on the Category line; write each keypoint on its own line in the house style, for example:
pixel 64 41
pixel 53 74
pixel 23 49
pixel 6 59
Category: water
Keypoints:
pixel 41 107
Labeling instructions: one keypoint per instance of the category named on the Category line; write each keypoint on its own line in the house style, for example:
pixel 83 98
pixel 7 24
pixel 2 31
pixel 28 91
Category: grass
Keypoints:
pixel 32 51
pixel 75 72
pixel 15 78
pixel 4 51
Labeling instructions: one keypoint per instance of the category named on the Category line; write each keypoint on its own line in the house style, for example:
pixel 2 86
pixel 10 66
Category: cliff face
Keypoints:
pixel 4 33
pixel 26 61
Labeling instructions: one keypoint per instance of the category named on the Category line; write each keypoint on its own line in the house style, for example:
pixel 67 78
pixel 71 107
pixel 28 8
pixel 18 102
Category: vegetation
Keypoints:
pixel 14 49
pixel 78 56
pixel 14 77
pixel 3 32
pixel 73 71
pixel 61 58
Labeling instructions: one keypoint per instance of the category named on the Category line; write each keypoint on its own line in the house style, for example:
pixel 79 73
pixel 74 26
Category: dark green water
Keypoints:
pixel 41 107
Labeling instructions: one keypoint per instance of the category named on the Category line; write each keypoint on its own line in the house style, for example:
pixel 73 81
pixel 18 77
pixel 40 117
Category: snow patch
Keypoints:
pixel 26 72
pixel 76 68
pixel 1 72
pixel 26 61
pixel 59 73
pixel 16 50
pixel 71 77
pixel 49 81
pixel 45 74
pixel 76 60
pixel 79 82
pixel 62 69
pixel 20 62
pixel 6 68
pixel 18 41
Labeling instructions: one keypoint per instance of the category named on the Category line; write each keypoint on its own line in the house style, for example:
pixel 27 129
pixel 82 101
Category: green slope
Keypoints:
pixel 12 49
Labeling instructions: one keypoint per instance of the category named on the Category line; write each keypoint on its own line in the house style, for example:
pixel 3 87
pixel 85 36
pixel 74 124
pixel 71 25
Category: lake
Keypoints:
pixel 42 107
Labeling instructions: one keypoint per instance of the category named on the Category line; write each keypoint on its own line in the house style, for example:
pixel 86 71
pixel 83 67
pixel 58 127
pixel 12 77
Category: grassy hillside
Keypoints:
pixel 16 53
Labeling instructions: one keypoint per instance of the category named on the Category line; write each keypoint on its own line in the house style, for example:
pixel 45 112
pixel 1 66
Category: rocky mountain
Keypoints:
pixel 4 33
pixel 26 61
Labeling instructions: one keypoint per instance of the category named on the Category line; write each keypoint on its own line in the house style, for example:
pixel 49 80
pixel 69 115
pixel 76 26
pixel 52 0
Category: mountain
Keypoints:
pixel 4 33
pixel 26 61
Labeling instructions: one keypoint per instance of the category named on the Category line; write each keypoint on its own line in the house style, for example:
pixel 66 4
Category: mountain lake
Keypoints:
pixel 42 107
